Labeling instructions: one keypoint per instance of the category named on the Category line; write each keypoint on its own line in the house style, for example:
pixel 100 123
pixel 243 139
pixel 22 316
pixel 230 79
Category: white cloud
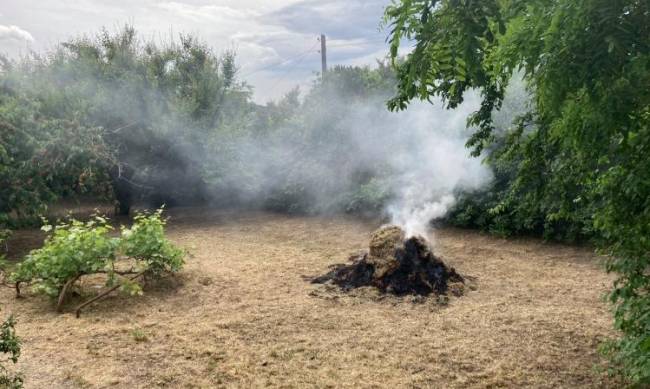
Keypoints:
pixel 15 33
pixel 209 13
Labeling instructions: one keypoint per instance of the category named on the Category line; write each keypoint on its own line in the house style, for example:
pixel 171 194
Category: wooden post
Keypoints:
pixel 323 54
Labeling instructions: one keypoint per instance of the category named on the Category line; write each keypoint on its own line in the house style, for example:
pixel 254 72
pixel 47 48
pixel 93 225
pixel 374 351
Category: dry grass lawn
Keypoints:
pixel 241 314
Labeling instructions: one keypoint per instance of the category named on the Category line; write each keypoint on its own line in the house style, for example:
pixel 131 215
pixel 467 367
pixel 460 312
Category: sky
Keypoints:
pixel 275 40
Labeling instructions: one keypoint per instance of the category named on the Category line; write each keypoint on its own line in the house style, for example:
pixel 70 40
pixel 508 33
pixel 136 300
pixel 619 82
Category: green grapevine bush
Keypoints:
pixel 78 248
pixel 145 241
pixel 75 248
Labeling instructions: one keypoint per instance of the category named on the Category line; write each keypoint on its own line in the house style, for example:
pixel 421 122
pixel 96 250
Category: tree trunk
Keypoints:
pixel 122 189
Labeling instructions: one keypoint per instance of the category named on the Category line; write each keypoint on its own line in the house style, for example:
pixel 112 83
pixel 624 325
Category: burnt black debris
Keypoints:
pixel 396 265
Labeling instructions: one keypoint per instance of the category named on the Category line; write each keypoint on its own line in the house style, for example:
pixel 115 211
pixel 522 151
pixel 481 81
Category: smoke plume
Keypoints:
pixel 416 158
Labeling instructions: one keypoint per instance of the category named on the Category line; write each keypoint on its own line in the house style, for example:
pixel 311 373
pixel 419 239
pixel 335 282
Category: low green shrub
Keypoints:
pixel 10 348
pixel 145 242
pixel 76 248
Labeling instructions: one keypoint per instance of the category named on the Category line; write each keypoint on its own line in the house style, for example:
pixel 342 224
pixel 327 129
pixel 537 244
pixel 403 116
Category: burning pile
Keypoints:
pixel 396 265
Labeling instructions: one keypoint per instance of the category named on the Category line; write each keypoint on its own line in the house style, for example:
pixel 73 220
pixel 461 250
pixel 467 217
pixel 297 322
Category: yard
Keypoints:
pixel 242 313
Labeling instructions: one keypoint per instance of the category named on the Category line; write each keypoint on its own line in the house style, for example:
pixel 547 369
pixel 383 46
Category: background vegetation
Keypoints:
pixel 139 122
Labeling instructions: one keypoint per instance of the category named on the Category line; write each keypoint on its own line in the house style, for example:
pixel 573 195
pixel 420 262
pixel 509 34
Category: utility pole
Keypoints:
pixel 323 54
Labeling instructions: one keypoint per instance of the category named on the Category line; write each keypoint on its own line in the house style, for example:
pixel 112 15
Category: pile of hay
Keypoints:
pixel 396 265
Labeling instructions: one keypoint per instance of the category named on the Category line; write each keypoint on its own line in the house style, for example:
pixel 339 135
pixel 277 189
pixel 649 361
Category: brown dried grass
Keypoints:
pixel 241 315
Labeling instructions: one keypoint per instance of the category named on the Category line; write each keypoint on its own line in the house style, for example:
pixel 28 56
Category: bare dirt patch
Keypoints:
pixel 241 315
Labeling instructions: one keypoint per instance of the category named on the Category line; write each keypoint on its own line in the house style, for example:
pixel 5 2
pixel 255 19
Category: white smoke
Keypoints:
pixel 414 215
pixel 418 155
pixel 430 164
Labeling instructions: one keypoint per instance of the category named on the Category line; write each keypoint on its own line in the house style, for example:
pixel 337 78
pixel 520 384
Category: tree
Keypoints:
pixel 580 155
pixel 141 112
pixel 42 158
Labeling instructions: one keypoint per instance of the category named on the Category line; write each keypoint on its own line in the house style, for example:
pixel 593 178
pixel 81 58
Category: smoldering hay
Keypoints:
pixel 398 265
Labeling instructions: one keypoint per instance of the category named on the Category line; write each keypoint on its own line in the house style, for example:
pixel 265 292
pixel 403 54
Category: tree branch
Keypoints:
pixel 64 290
pixel 104 293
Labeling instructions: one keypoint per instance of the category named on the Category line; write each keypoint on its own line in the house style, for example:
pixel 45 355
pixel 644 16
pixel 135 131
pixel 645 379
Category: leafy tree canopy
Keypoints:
pixel 579 158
